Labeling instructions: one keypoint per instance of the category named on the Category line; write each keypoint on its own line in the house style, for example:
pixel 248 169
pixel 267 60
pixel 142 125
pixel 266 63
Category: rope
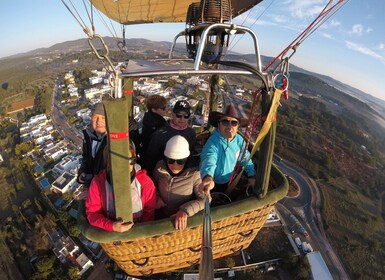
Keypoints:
pixel 78 18
pixel 255 21
pixel 313 26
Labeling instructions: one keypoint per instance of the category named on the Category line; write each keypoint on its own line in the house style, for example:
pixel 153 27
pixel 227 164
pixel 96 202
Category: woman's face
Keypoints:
pixel 177 165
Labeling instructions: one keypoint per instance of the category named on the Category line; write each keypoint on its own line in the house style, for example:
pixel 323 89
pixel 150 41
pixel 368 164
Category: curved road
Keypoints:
pixel 306 207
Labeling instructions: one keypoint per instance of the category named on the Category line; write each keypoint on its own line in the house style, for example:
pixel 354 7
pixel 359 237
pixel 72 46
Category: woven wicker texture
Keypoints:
pixel 145 256
pixel 215 11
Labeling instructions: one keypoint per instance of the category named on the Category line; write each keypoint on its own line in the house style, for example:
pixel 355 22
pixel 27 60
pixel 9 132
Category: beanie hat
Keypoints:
pixel 98 109
pixel 177 148
pixel 181 106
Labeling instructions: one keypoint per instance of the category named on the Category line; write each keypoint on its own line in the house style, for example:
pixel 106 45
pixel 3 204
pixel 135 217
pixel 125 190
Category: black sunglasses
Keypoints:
pixel 182 116
pixel 178 161
pixel 228 122
pixel 132 160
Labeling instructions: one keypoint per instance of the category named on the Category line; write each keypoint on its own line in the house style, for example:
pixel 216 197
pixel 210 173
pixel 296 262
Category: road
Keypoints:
pixel 306 207
pixel 59 120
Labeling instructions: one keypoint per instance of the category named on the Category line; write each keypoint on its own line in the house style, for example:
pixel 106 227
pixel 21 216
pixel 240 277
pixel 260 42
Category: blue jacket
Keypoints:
pixel 219 156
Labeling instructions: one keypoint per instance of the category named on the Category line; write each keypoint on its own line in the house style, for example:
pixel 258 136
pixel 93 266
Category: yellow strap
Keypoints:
pixel 268 122
pixel 262 134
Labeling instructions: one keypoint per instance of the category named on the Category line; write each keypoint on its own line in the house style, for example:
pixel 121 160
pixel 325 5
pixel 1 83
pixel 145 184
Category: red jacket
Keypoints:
pixel 96 200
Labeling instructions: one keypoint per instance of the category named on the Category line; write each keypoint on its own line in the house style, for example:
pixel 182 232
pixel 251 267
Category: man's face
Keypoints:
pixel 99 123
pixel 228 127
pixel 180 118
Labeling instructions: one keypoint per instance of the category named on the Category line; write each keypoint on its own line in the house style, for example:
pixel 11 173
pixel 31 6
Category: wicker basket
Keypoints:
pixel 156 247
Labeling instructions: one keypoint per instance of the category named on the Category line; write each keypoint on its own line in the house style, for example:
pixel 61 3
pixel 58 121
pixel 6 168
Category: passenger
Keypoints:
pixel 154 117
pixel 178 184
pixel 222 151
pixel 100 207
pixel 178 125
pixel 94 141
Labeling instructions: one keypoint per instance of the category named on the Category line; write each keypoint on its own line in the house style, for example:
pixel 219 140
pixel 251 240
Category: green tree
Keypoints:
pixel 230 263
pixel 44 268
pixel 74 273
pixel 74 231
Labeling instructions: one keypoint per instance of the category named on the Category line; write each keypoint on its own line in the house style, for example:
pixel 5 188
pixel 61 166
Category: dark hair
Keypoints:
pixel 155 101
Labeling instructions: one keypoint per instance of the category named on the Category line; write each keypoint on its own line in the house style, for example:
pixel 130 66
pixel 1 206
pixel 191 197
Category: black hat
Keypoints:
pixel 98 109
pixel 229 111
pixel 181 106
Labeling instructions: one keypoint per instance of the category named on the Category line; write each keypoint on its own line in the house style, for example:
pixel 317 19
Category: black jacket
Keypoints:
pixel 89 164
pixel 158 143
pixel 151 122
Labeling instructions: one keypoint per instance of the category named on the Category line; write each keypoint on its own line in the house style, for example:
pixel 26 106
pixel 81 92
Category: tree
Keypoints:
pixel 44 268
pixel 230 263
pixel 74 231
pixel 74 273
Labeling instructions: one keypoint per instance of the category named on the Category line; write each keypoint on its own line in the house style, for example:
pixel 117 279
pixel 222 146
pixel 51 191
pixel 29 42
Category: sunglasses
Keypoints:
pixel 132 160
pixel 182 116
pixel 228 122
pixel 178 161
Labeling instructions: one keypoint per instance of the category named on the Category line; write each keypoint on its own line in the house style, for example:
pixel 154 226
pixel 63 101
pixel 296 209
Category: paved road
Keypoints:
pixel 306 207
pixel 60 121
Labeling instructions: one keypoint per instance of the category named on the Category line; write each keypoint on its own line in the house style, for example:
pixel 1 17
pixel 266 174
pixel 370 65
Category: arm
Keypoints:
pixel 209 159
pixel 148 198
pixel 94 210
pixel 153 152
pixel 208 165
pixel 83 169
pixel 194 206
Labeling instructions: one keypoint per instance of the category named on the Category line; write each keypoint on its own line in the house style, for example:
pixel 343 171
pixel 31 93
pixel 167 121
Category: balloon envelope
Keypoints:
pixel 139 11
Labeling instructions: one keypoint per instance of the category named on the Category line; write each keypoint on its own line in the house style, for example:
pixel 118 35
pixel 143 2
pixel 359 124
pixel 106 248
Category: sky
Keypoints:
pixel 349 47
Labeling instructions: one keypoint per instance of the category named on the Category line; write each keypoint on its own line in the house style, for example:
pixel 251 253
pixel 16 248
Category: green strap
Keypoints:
pixel 262 134
pixel 117 111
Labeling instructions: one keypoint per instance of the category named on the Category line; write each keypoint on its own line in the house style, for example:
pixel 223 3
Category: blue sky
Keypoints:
pixel 349 47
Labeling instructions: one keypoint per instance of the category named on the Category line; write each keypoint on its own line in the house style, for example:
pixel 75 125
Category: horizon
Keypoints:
pixel 350 47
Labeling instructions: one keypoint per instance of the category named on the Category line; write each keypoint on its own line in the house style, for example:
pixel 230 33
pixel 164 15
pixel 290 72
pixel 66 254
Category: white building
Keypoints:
pixel 68 164
pixel 95 80
pixel 37 119
pixel 64 183
pixel 92 92
pixel 55 152
pixel 67 251
pixel 40 140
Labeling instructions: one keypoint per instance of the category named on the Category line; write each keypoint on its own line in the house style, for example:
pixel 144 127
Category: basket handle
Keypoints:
pixel 147 274
pixel 237 250
pixel 138 263
pixel 195 249
pixel 247 233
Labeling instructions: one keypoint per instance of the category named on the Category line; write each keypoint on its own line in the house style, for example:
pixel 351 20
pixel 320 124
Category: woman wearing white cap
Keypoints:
pixel 178 185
